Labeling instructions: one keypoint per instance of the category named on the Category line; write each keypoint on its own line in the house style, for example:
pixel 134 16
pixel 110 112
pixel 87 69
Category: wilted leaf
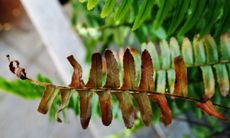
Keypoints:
pixel 166 113
pixel 129 71
pixel 85 96
pixel 47 99
pixel 112 72
pixel 95 81
pixel 209 82
pixel 85 107
pixel 105 104
pixel 147 83
pixel 150 47
pixel 76 81
pixel 125 99
pixel 187 52
pixel 181 84
pixel 222 78
pixel 15 68
pixel 209 108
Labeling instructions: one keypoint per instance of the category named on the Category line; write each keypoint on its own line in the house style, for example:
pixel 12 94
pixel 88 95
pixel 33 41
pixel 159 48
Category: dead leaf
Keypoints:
pixel 85 96
pixel 112 72
pixel 181 83
pixel 95 78
pixel 125 100
pixel 147 83
pixel 77 81
pixel 95 81
pixel 209 108
pixel 47 99
pixel 15 68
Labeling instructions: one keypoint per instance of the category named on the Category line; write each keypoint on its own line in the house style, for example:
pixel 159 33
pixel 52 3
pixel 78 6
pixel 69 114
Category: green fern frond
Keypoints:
pixel 205 16
pixel 212 59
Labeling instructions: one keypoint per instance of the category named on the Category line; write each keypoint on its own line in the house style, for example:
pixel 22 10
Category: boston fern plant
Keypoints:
pixel 181 61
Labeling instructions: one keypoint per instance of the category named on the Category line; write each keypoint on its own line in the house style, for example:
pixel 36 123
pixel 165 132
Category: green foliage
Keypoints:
pixel 112 22
pixel 22 88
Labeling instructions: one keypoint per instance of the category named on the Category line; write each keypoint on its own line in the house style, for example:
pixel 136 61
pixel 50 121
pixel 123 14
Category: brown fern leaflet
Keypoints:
pixel 125 93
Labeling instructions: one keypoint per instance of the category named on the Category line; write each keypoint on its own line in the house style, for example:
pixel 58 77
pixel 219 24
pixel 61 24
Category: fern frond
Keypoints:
pixel 205 16
pixel 143 91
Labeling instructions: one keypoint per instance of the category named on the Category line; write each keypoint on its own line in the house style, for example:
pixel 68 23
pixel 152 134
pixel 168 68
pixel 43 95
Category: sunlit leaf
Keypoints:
pixel 91 4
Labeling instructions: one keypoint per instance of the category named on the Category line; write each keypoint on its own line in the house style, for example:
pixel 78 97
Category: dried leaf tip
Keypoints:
pixel 112 71
pixel 181 84
pixel 147 82
pixel 16 69
pixel 76 81
pixel 209 108
pixel 129 71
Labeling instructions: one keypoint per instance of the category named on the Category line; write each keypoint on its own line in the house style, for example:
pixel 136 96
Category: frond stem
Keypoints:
pixel 118 90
